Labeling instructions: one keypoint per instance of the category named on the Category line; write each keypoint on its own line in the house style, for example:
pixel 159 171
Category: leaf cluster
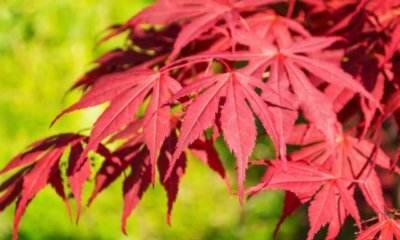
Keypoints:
pixel 320 75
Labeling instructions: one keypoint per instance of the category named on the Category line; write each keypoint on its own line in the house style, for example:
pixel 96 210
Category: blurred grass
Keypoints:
pixel 44 46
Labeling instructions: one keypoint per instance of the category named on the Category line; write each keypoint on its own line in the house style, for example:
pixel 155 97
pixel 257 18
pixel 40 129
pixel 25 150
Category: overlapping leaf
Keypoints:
pixel 40 166
pixel 204 16
pixel 237 121
pixel 306 179
pixel 385 229
pixel 126 92
pixel 316 106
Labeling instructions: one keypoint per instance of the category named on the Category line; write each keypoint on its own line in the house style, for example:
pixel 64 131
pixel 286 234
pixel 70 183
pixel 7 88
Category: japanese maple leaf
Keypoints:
pixel 274 28
pixel 316 106
pixel 237 121
pixel 383 229
pixel 134 154
pixel 355 159
pixel 126 92
pixel 113 167
pixel 330 192
pixel 203 15
pixel 41 167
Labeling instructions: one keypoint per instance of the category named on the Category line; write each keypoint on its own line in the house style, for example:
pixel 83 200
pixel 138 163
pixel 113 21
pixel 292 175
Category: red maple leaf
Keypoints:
pixel 40 167
pixel 328 193
pixel 237 121
pixel 126 91
pixel 383 229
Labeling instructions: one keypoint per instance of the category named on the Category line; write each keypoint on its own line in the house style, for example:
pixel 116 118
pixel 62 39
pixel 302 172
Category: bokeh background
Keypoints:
pixel 45 45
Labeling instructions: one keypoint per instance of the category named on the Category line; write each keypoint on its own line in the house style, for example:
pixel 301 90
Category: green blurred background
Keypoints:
pixel 45 45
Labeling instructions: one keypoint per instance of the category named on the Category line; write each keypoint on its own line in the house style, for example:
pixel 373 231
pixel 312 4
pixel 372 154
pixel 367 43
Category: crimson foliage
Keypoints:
pixel 320 75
